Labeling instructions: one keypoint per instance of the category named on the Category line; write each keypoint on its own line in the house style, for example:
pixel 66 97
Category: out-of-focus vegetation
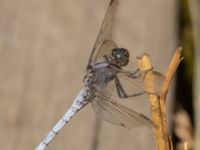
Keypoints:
pixel 184 114
pixel 194 7
pixel 186 39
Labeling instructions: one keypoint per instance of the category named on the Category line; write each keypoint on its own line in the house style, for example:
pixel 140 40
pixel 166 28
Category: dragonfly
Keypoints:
pixel 106 80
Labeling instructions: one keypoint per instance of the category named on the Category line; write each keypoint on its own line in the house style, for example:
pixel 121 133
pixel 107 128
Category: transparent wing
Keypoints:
pixel 132 86
pixel 105 32
pixel 104 49
pixel 113 112
pixel 110 110
pixel 139 84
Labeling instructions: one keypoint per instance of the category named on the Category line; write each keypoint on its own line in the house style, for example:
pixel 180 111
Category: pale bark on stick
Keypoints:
pixel 158 99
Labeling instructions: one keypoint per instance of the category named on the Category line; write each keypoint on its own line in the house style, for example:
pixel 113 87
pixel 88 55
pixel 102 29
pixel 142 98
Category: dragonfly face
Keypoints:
pixel 121 56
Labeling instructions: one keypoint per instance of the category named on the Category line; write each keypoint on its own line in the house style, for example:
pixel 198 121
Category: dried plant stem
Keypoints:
pixel 158 100
pixel 176 59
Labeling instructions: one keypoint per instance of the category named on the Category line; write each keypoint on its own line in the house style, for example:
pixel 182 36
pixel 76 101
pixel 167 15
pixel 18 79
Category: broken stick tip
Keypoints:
pixel 180 48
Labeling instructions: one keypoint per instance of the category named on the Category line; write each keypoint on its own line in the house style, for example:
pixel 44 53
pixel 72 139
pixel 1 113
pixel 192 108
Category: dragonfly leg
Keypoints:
pixel 136 74
pixel 121 92
pixel 132 74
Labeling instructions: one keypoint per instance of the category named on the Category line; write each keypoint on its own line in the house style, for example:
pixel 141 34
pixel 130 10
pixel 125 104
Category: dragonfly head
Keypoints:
pixel 121 56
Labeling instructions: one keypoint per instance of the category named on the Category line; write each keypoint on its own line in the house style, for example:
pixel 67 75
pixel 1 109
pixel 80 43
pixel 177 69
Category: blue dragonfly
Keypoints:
pixel 106 80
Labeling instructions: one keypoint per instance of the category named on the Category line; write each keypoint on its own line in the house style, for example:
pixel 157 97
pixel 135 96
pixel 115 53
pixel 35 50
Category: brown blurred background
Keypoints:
pixel 44 49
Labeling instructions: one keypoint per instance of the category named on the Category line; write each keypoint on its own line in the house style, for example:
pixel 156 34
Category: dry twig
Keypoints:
pixel 157 95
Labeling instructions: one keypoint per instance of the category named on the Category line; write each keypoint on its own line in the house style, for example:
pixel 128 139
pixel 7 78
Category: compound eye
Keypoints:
pixel 121 56
pixel 126 53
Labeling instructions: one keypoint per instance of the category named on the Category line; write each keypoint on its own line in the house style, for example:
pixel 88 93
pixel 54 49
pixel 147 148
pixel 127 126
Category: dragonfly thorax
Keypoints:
pixel 121 56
